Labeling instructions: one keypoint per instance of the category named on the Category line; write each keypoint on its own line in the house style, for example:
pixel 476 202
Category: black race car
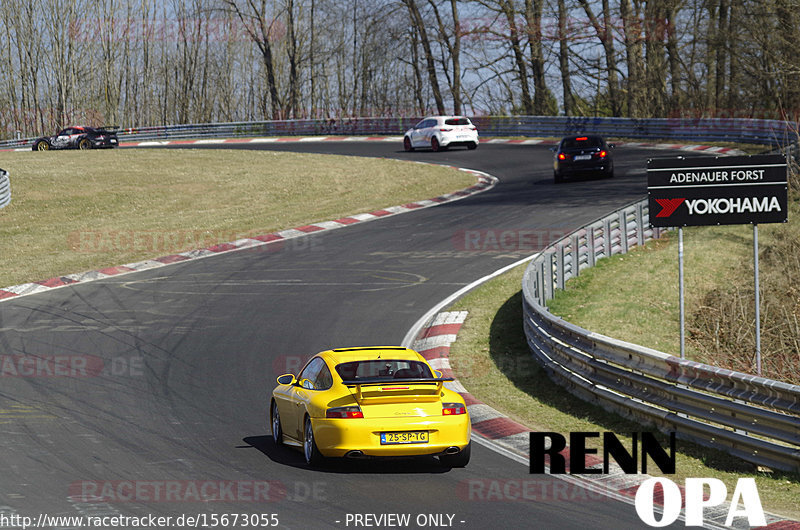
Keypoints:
pixel 78 138
pixel 582 155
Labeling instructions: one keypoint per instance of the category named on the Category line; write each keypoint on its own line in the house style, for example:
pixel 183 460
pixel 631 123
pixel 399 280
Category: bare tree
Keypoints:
pixel 533 19
pixel 563 59
pixel 419 25
pixel 256 21
pixel 604 31
pixel 450 40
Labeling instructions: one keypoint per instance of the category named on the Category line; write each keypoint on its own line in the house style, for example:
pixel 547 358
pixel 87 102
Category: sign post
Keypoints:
pixel 701 191
pixel 758 299
pixel 681 296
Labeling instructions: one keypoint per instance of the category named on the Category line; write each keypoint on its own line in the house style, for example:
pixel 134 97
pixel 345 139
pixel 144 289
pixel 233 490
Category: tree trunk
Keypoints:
pixel 519 60
pixel 656 72
pixel 721 53
pixel 632 30
pixel 533 18
pixel 419 24
pixel 563 59
pixel 673 54
pixel 607 39
pixel 291 50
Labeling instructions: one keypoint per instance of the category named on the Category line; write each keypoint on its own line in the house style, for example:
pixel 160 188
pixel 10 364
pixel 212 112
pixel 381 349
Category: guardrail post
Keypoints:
pixel 640 223
pixel 576 253
pixel 548 278
pixel 607 236
pixel 539 286
pixel 560 266
pixel 591 259
pixel 623 232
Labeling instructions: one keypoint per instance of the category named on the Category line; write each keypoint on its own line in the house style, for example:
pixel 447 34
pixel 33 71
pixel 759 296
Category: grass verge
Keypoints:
pixel 491 359
pixel 73 211
pixel 720 307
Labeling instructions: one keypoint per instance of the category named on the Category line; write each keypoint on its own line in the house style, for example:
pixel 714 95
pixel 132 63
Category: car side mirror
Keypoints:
pixel 286 379
pixel 438 374
pixel 611 146
pixel 307 384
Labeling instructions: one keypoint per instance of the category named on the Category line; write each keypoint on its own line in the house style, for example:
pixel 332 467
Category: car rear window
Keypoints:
pixel 583 141
pixel 457 121
pixel 382 368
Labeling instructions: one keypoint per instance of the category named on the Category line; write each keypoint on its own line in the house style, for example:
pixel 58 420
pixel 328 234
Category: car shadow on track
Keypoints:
pixel 294 458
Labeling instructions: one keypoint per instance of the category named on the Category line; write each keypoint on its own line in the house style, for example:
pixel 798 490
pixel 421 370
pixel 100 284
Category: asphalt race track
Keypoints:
pixel 190 352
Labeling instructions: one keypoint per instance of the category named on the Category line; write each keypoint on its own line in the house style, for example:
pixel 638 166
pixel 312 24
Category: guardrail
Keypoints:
pixel 768 132
pixel 750 417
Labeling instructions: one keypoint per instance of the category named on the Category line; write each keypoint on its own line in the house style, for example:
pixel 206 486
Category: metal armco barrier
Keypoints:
pixel 755 419
pixel 768 132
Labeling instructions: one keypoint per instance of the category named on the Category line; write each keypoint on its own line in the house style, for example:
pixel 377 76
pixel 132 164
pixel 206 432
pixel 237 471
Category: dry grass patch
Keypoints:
pixel 73 211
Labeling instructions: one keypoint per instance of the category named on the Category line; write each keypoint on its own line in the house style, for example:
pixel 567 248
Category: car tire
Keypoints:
pixel 435 144
pixel 41 145
pixel 84 143
pixel 407 144
pixel 472 146
pixel 313 457
pixel 460 459
pixel 275 424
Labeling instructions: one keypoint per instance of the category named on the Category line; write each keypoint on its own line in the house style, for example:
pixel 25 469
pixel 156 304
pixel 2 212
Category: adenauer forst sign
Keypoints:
pixel 717 190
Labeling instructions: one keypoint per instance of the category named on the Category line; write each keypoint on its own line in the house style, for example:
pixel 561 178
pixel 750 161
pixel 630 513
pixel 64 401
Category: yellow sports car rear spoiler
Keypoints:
pixel 395 392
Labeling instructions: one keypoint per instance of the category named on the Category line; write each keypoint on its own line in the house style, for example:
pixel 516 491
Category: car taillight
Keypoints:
pixel 344 412
pixel 562 156
pixel 445 130
pixel 603 154
pixel 453 409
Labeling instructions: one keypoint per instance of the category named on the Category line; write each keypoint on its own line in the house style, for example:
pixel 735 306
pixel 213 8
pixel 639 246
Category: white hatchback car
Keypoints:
pixel 441 132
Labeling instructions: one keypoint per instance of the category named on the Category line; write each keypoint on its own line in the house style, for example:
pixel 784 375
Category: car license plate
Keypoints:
pixel 408 437
pixel 583 157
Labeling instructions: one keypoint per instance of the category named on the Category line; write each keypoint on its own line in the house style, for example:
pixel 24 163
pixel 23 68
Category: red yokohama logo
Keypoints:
pixel 668 206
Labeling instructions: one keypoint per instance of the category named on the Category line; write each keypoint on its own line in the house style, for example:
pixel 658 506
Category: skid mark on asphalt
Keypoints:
pixel 209 285
pixel 22 412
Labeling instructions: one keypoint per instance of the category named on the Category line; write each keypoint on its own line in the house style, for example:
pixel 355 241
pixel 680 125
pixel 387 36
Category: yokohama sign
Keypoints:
pixel 718 190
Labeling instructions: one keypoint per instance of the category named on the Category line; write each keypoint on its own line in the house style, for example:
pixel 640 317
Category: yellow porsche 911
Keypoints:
pixel 370 402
